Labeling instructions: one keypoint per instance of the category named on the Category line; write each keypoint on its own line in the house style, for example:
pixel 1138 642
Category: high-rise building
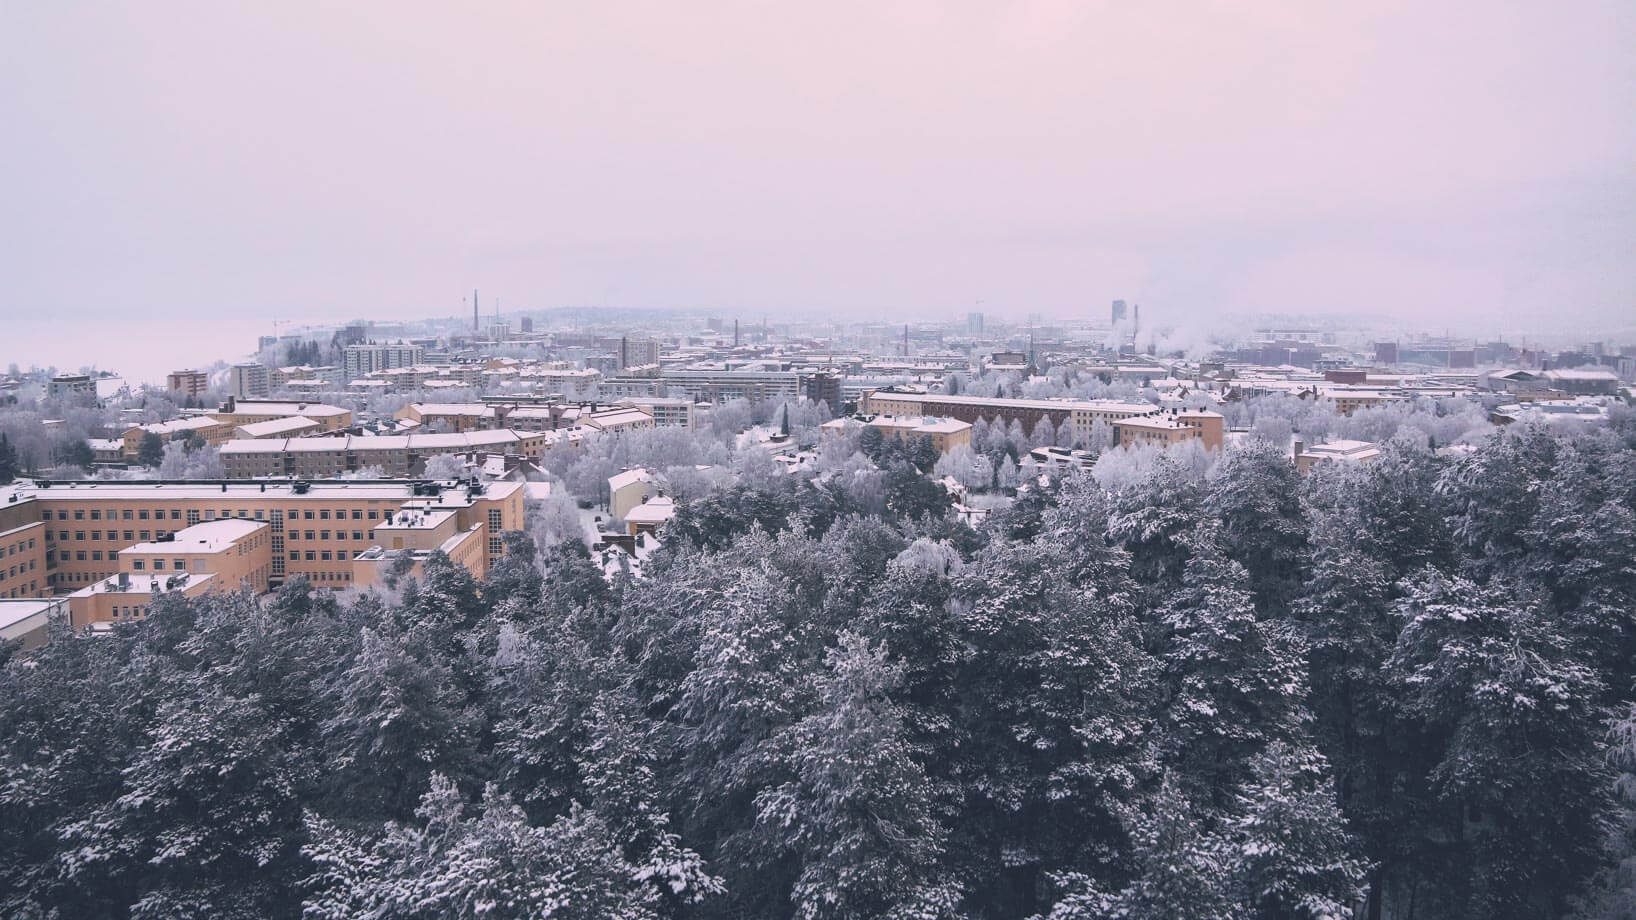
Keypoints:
pixel 974 324
pixel 188 383
pixel 638 352
pixel 366 359
pixel 1118 312
pixel 525 325
pixel 249 381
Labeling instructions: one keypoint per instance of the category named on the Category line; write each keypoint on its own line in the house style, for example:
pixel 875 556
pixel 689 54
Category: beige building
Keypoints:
pixel 946 433
pixel 293 427
pixel 1166 427
pixel 629 489
pixel 188 383
pixel 314 529
pixel 214 431
pixel 28 622
pixel 239 412
pixel 404 542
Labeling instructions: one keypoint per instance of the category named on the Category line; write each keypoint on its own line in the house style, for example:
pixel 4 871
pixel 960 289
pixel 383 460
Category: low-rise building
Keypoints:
pixel 314 528
pixel 293 427
pixel 1334 452
pixel 1165 427
pixel 239 412
pixel 394 455
pixel 211 430
pixel 628 489
pixel 28 622
pixel 946 433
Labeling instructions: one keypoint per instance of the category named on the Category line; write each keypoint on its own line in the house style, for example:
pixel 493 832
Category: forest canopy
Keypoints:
pixel 1397 689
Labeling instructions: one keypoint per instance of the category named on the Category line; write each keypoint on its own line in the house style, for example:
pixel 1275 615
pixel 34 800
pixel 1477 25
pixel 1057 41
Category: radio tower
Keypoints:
pixel 474 309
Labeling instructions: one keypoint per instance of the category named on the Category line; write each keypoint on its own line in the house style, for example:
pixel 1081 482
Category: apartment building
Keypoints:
pixel 708 386
pixel 394 455
pixel 249 381
pixel 314 529
pixel 239 412
pixel 294 426
pixel 358 360
pixel 638 352
pixel 71 385
pixel 213 431
pixel 1080 414
pixel 1166 427
pixel 22 557
pixel 946 433
pixel 188 384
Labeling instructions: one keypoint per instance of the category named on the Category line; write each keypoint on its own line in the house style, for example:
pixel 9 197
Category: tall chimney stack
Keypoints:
pixel 474 309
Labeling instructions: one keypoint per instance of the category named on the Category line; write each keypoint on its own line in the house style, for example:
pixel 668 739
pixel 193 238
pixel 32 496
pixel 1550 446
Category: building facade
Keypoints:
pixel 314 529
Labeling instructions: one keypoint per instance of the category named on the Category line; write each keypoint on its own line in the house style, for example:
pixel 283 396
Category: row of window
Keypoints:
pixel 21 568
pixel 179 565
pixel 127 536
pixel 13 549
pixel 175 514
pixel 21 591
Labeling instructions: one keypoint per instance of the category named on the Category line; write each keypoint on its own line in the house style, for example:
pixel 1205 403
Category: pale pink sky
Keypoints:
pixel 1468 162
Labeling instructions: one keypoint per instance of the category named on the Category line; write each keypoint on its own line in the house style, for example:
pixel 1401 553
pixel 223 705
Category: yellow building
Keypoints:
pixel 250 411
pixel 946 433
pixel 1163 428
pixel 314 529
pixel 214 431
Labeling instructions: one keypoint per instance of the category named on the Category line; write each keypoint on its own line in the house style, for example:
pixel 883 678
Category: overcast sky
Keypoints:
pixel 1447 162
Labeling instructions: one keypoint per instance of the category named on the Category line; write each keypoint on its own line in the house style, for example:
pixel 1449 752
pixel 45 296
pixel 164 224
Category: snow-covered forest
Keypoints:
pixel 1392 690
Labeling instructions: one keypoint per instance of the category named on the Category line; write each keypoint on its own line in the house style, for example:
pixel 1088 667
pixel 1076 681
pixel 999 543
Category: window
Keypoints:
pixel 178 564
pixel 137 564
pixel 357 535
pixel 128 536
pixel 324 555
pixel 323 515
pixel 79 514
pixel 79 534
pixel 323 535
pixel 96 514
pixel 126 514
pixel 176 515
pixel 356 514
pixel 158 564
pixel 145 534
pixel 142 515
pixel 311 556
pixel 294 555
pixel 96 534
pixel 306 515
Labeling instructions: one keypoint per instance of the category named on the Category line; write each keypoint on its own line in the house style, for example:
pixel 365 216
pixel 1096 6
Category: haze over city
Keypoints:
pixel 378 160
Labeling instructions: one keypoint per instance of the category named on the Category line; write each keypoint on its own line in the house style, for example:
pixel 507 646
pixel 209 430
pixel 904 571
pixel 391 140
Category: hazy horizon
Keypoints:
pixel 1460 164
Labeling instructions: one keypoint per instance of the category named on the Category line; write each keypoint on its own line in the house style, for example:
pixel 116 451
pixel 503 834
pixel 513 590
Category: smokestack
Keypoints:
pixel 906 340
pixel 735 333
pixel 474 309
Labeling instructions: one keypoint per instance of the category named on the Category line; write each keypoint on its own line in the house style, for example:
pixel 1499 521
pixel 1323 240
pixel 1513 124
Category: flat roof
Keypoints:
pixel 24 615
pixel 278 407
pixel 206 537
pixel 318 489
pixel 278 425
pixel 1057 405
